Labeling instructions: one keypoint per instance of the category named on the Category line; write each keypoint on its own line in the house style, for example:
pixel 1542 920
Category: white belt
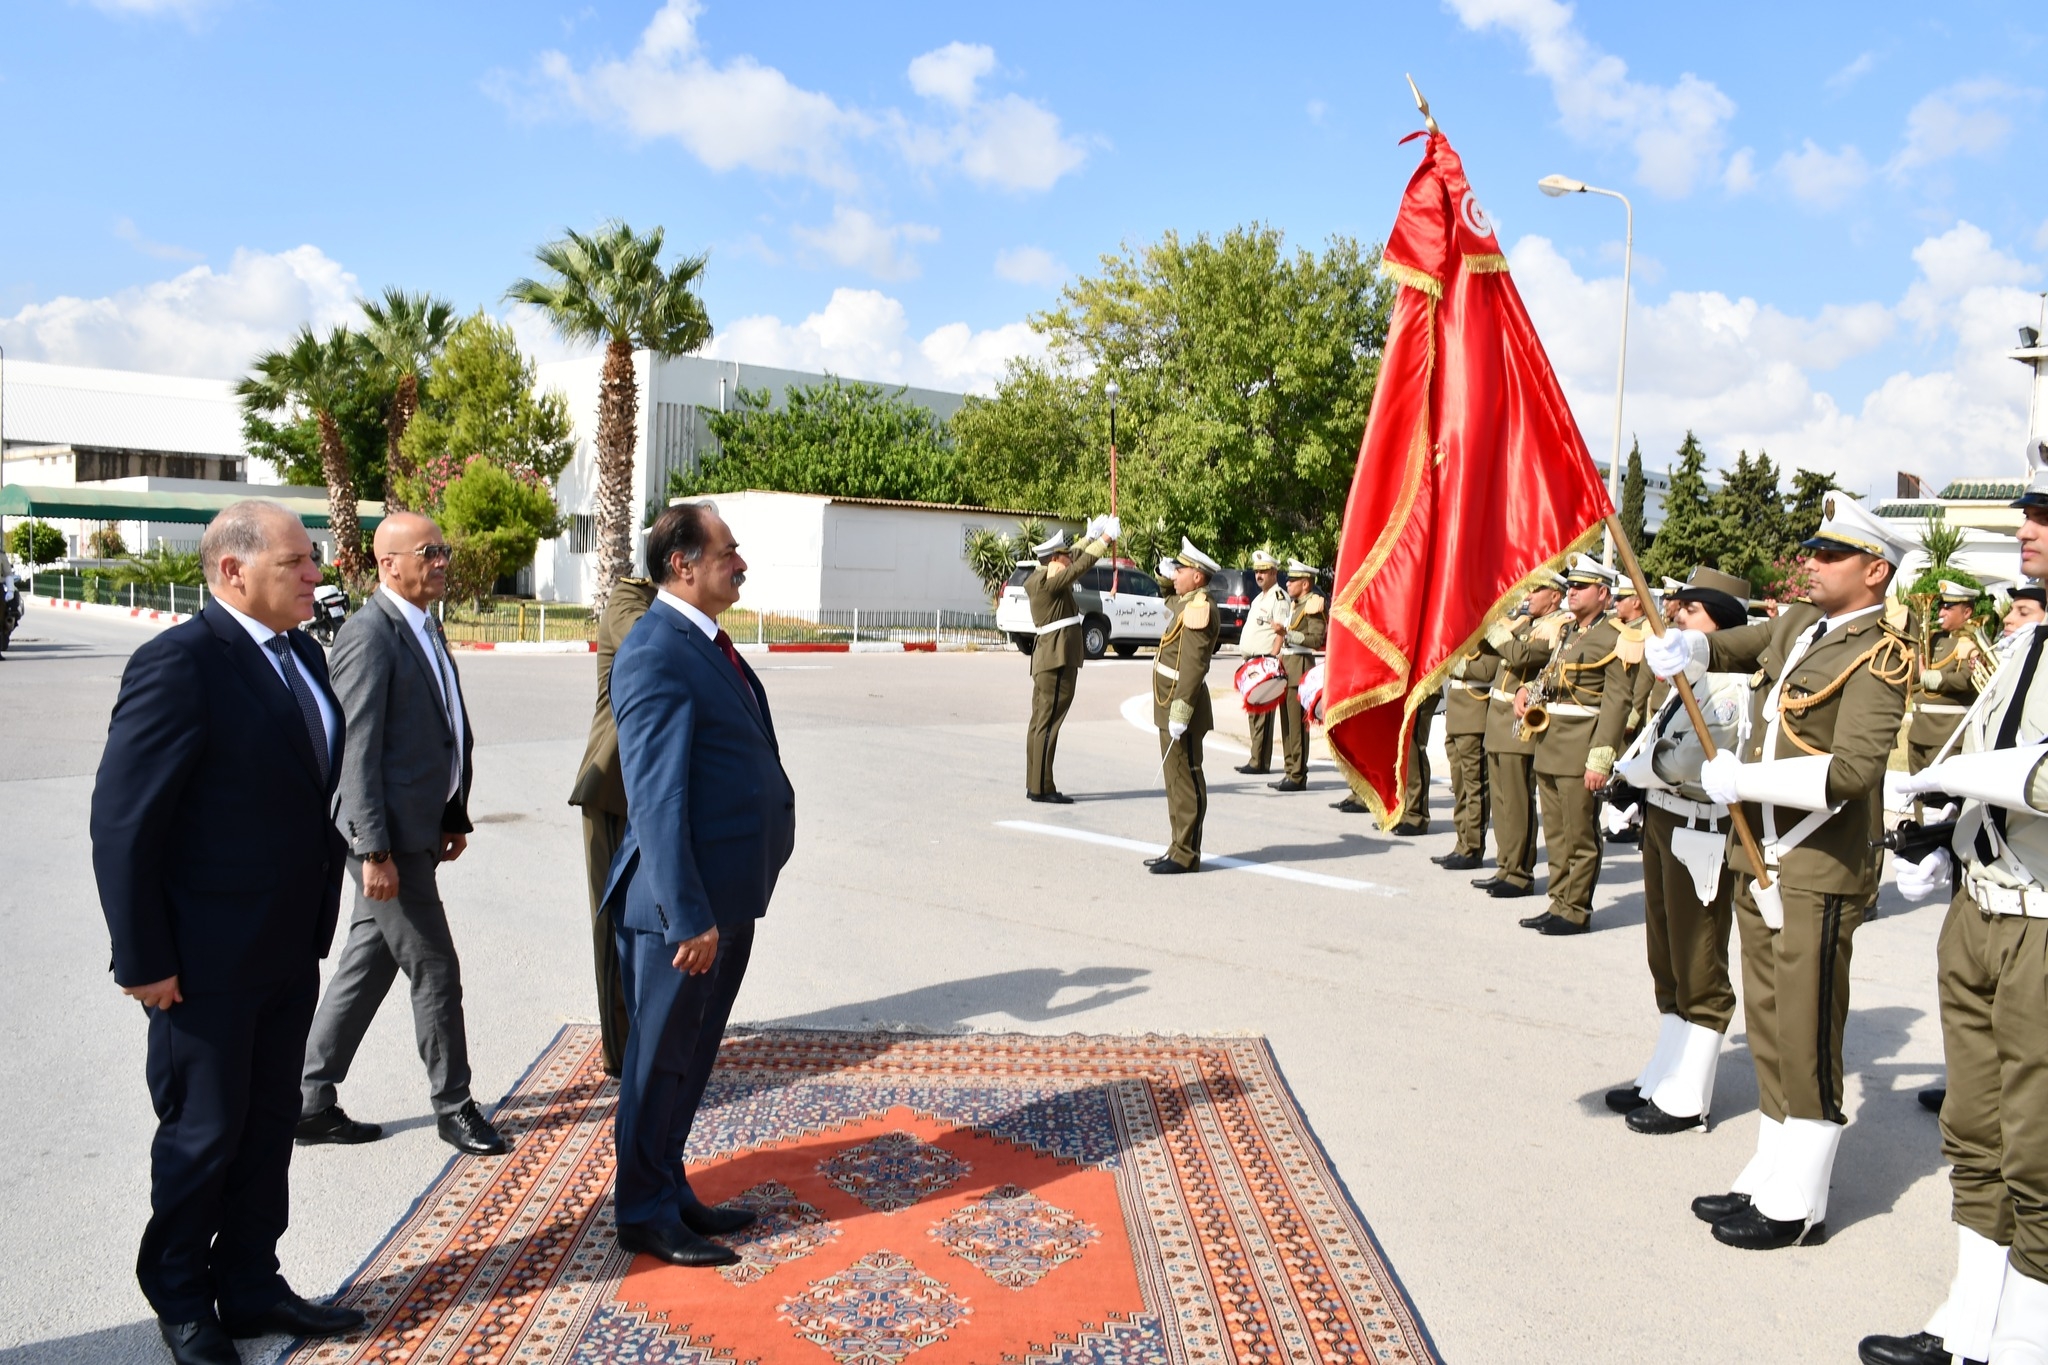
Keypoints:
pixel 1480 690
pixel 1569 709
pixel 1940 708
pixel 1060 624
pixel 1164 671
pixel 1776 846
pixel 1306 651
pixel 1994 899
pixel 1684 809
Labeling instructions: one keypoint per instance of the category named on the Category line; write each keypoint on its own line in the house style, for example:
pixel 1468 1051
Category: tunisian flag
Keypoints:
pixel 1471 476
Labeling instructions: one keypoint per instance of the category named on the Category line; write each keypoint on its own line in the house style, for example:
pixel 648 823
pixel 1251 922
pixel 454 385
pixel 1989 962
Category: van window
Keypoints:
pixel 1129 582
pixel 1021 573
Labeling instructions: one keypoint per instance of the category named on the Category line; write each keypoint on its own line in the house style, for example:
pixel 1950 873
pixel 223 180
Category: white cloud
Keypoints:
pixel 1740 175
pixel 538 340
pixel 1744 375
pixel 1009 142
pixel 203 323
pixel 1676 131
pixel 951 73
pixel 1855 71
pixel 865 334
pixel 1030 265
pixel 1820 178
pixel 1317 111
pixel 125 229
pixel 857 238
pixel 1966 119
pixel 189 10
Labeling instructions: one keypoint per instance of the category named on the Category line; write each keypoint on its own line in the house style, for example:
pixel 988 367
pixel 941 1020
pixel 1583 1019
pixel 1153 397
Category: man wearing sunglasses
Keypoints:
pixel 403 806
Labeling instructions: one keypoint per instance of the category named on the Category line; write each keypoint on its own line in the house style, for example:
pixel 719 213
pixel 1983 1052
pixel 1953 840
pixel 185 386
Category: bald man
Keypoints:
pixel 403 806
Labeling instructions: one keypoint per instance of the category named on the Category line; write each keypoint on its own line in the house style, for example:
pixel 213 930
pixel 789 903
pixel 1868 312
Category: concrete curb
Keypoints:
pixel 530 646
pixel 148 616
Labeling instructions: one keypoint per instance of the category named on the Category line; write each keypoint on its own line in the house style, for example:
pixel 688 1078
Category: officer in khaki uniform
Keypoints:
pixel 1304 630
pixel 1466 695
pixel 1584 693
pixel 1631 620
pixel 1264 621
pixel 601 791
pixel 1947 681
pixel 1829 692
pixel 1522 643
pixel 1992 972
pixel 1180 706
pixel 1056 657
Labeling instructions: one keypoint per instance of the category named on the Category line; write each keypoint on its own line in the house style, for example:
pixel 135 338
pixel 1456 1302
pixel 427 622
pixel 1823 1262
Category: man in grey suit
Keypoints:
pixel 403 806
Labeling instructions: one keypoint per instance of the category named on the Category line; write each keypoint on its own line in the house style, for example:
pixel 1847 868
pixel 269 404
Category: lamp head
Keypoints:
pixel 1112 390
pixel 1556 185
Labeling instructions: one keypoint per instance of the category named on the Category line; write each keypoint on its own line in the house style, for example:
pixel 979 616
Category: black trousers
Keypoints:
pixel 224 1079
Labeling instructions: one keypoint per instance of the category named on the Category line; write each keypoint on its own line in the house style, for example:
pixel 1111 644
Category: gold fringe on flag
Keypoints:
pixel 1414 279
pixel 1494 264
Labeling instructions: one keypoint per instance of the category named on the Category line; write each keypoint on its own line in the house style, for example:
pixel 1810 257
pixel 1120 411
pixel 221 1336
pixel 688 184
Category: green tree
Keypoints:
pixel 317 378
pixel 1749 516
pixel 1689 534
pixel 1040 444
pixel 402 333
pixel 495 518
pixel 836 438
pixel 107 543
pixel 1633 490
pixel 994 555
pixel 1803 507
pixel 608 289
pixel 161 567
pixel 481 401
pixel 36 543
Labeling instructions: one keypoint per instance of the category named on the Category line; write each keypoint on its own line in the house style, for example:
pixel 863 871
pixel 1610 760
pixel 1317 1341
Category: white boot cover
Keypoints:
pixel 1964 1320
pixel 1670 1038
pixel 1688 1088
pixel 1798 1187
pixel 1770 1134
pixel 2021 1336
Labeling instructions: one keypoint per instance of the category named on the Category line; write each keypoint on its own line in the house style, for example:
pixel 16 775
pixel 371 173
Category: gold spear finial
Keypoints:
pixel 1423 105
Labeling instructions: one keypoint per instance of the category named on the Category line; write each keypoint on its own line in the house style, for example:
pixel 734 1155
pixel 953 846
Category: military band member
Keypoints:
pixel 1180 706
pixel 1056 657
pixel 1585 695
pixel 1686 887
pixel 1302 632
pixel 1825 709
pixel 1993 978
pixel 1946 684
pixel 1522 643
pixel 1465 697
pixel 1264 621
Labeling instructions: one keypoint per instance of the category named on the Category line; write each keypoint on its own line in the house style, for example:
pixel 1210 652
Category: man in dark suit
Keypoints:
pixel 711 821
pixel 403 806
pixel 219 872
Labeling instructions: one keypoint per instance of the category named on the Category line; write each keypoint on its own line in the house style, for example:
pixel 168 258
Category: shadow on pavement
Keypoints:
pixel 1025 995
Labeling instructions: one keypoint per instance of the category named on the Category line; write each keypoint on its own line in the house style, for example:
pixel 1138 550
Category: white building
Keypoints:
pixel 677 396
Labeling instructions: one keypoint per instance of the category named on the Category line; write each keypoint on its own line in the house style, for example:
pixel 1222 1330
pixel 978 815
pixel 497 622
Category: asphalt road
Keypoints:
pixel 1451 1063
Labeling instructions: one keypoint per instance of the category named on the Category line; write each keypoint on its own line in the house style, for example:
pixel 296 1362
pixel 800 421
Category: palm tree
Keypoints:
pixel 405 333
pixel 315 376
pixel 608 288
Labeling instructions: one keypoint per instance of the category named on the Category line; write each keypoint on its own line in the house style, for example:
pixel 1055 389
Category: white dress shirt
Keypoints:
pixel 263 635
pixel 444 671
pixel 690 613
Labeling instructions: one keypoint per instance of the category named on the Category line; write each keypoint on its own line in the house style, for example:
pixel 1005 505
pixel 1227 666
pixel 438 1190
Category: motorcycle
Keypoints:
pixel 12 603
pixel 330 609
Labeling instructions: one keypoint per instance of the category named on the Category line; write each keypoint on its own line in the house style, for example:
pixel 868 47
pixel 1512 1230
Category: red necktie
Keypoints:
pixel 732 656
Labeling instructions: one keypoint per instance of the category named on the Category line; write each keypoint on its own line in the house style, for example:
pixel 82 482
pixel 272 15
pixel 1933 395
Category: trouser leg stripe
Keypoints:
pixel 1824 1053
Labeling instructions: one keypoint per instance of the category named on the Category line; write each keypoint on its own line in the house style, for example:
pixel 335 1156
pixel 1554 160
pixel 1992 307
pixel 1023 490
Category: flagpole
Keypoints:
pixel 1692 705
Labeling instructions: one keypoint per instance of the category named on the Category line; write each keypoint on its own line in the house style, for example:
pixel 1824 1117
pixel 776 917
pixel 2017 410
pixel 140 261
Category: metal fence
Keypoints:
pixel 519 622
pixel 861 626
pixel 68 587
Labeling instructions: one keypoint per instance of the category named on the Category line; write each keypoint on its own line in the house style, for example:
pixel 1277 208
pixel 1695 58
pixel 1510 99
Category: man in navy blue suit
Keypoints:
pixel 219 872
pixel 712 820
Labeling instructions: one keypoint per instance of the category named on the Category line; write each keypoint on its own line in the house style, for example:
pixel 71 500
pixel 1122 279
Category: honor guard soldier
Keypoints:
pixel 1056 656
pixel 1584 695
pixel 1949 668
pixel 1993 981
pixel 1522 643
pixel 1304 630
pixel 1686 887
pixel 1180 706
pixel 1264 622
pixel 2029 607
pixel 1827 698
pixel 1465 698
pixel 1631 619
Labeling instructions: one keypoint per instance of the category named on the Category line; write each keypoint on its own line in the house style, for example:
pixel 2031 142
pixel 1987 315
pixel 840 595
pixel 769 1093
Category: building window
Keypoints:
pixel 968 532
pixel 582 533
pixel 680 440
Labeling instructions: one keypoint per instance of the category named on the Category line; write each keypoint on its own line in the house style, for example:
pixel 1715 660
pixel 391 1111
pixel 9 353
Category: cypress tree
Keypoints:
pixel 1688 535
pixel 1633 489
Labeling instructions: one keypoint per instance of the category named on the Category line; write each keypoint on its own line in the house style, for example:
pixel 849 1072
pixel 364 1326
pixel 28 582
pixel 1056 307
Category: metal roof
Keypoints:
pixel 69 405
pixel 1984 490
pixel 88 503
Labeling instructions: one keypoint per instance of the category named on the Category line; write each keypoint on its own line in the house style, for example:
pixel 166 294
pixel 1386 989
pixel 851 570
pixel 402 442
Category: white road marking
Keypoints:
pixel 1289 874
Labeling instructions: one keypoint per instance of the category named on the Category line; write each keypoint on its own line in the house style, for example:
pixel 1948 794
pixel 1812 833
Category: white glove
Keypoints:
pixel 1928 779
pixel 1930 679
pixel 1093 530
pixel 1717 775
pixel 1918 881
pixel 1675 652
pixel 1111 527
pixel 1167 566
pixel 1176 728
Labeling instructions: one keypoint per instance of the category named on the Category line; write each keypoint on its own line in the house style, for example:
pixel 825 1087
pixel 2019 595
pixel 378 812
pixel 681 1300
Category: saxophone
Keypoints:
pixel 1983 659
pixel 1536 715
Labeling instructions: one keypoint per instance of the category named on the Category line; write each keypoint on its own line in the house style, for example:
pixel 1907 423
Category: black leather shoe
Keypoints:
pixel 1712 1208
pixel 332 1125
pixel 1050 798
pixel 1632 835
pixel 1648 1118
pixel 1487 883
pixel 1351 805
pixel 675 1244
pixel 1931 1099
pixel 1922 1348
pixel 1409 828
pixel 1532 921
pixel 711 1220
pixel 1626 1099
pixel 1751 1231
pixel 1556 926
pixel 292 1316
pixel 1508 891
pixel 467 1130
pixel 1253 769
pixel 1288 784
pixel 1458 862
pixel 204 1342
pixel 1167 867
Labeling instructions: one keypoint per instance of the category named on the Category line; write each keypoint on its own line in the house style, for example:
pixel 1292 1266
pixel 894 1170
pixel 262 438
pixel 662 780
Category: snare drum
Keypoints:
pixel 1311 693
pixel 1261 682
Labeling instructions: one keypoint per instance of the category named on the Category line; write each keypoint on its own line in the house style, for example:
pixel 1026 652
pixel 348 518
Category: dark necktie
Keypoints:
pixel 732 656
pixel 2008 735
pixel 302 693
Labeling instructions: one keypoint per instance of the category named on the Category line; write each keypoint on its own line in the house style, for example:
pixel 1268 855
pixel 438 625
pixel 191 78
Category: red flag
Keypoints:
pixel 1472 474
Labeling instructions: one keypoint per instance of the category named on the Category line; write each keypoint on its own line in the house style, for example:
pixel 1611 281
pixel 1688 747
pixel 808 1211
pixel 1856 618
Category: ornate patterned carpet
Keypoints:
pixel 978 1200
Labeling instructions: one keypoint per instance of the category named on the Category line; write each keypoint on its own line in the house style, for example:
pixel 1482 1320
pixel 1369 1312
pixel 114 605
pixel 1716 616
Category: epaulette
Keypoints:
pixel 1314 605
pixel 1195 615
pixel 1629 648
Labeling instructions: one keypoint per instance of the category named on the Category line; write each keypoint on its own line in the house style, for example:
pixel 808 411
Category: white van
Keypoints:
pixel 1120 609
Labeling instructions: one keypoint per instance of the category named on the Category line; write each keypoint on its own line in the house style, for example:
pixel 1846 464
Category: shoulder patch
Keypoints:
pixel 1195 616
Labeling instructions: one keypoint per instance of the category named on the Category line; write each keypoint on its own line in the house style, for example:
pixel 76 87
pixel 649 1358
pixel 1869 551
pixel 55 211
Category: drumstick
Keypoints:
pixel 1164 754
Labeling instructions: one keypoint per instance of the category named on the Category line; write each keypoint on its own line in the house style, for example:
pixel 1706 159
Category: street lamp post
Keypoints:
pixel 1556 186
pixel 1111 390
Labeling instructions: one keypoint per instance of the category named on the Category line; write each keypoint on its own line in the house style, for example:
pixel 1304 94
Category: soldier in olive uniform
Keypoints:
pixel 601 791
pixel 1465 699
pixel 1947 682
pixel 1522 643
pixel 1631 620
pixel 1825 709
pixel 1304 630
pixel 1056 657
pixel 1585 694
pixel 1264 621
pixel 1992 970
pixel 1180 706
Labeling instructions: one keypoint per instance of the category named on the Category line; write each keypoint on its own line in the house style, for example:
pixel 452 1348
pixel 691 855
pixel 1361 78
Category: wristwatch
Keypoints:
pixel 382 855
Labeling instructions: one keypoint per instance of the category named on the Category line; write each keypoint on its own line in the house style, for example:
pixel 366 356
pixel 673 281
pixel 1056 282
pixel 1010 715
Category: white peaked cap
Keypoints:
pixel 1195 559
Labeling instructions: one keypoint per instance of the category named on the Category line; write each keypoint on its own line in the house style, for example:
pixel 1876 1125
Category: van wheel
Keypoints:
pixel 1125 648
pixel 1095 637
pixel 1025 643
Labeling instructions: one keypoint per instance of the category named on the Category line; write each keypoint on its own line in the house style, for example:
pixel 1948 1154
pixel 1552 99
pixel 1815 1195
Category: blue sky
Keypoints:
pixel 1838 222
